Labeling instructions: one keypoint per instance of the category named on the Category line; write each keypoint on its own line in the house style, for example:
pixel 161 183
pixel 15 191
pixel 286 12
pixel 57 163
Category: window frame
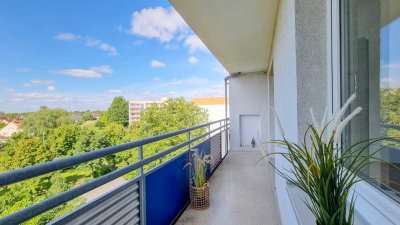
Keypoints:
pixel 373 206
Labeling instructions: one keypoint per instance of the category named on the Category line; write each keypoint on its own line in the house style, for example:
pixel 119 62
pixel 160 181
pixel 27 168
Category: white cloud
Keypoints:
pixel 23 70
pixel 103 69
pixel 193 43
pixel 93 72
pixel 83 73
pixel 36 82
pixel 188 81
pixel 89 42
pixel 390 82
pixel 115 91
pixel 101 45
pixel 193 60
pixel 166 26
pixel 390 66
pixel 67 37
pixel 214 90
pixel 51 88
pixel 41 82
pixel 156 63
pixel 159 23
pixel 221 70
pixel 156 78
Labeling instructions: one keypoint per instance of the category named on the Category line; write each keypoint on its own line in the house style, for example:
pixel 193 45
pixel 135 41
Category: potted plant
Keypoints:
pixel 199 188
pixel 324 170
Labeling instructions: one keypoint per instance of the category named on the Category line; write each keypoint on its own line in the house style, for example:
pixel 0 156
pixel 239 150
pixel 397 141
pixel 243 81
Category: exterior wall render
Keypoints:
pixel 300 78
pixel 248 97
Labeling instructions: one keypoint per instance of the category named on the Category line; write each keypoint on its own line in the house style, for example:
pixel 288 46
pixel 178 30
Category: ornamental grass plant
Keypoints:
pixel 324 169
pixel 198 169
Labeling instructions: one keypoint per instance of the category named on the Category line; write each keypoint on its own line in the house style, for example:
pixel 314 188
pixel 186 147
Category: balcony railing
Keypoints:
pixel 156 196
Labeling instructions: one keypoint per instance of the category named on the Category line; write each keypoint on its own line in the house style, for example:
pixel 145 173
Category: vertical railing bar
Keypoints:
pixel 142 191
pixel 209 131
pixel 188 138
pixel 226 137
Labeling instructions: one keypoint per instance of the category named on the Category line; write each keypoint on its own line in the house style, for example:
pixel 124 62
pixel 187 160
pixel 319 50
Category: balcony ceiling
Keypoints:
pixel 239 33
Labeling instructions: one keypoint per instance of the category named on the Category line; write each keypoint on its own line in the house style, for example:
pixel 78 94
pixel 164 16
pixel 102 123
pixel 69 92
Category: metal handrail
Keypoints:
pixel 21 174
pixel 393 126
pixel 61 198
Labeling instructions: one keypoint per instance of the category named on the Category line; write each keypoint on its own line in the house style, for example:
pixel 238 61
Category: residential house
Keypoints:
pixel 10 129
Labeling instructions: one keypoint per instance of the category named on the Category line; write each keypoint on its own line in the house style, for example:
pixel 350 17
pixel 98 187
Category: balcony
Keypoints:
pixel 242 192
pixel 241 185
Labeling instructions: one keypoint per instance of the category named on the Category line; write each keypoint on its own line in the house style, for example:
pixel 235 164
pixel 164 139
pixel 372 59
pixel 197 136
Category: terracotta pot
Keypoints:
pixel 200 197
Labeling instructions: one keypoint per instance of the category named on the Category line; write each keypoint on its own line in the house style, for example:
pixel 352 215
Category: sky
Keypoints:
pixel 79 55
pixel 390 57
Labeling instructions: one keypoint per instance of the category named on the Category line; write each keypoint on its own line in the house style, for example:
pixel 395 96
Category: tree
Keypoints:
pixel 2 125
pixel 62 140
pixel 175 114
pixel 38 123
pixel 118 111
pixel 22 151
pixel 390 113
pixel 86 116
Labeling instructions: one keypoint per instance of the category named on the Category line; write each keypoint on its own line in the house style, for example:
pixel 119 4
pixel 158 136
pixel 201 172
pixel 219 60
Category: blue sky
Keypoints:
pixel 390 55
pixel 78 55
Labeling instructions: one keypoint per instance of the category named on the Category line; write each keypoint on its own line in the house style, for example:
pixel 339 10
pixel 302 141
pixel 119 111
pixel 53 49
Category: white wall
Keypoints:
pixel 248 96
pixel 285 97
pixel 215 112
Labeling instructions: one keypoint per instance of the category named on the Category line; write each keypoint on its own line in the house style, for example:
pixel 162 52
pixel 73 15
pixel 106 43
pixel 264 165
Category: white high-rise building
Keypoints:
pixel 137 107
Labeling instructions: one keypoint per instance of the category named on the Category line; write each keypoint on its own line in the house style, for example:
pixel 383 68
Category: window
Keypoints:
pixel 370 45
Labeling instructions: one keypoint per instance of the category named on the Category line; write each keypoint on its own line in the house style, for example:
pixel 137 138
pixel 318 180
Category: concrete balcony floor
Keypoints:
pixel 241 192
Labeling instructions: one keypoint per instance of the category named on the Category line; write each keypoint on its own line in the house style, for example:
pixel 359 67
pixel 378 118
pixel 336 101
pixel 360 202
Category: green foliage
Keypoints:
pixel 324 170
pixel 62 140
pixel 118 111
pixel 390 113
pixel 390 106
pixel 86 116
pixel 52 135
pixel 175 114
pixel 22 151
pixel 2 125
pixel 44 120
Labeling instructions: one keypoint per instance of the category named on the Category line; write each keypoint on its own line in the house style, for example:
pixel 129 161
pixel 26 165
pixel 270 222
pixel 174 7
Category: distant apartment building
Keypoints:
pixel 214 106
pixel 137 107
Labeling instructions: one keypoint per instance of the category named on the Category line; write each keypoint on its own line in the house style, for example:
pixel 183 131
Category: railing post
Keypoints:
pixel 142 186
pixel 226 136
pixel 188 138
pixel 209 131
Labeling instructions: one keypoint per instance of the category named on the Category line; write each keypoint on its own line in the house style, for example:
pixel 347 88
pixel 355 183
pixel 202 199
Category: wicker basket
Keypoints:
pixel 200 197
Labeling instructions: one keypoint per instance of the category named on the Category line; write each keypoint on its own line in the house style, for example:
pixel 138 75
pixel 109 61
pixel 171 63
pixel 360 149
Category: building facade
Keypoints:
pixel 137 107
pixel 214 106
pixel 293 55
pixel 10 129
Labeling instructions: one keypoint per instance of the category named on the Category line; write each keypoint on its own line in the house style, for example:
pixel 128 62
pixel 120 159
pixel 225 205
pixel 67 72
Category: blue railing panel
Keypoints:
pixel 167 192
